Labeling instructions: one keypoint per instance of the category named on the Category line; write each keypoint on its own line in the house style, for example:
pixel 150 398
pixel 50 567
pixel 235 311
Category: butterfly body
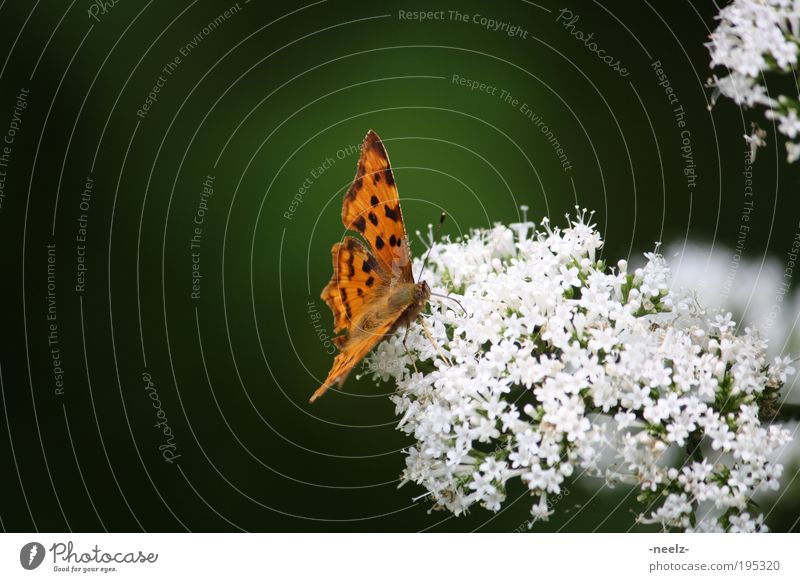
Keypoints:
pixel 371 294
pixel 411 299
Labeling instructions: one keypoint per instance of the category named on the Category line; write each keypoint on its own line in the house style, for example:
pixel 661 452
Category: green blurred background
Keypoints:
pixel 269 100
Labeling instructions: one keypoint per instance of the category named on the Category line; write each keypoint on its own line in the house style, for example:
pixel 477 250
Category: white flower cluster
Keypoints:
pixel 721 276
pixel 755 37
pixel 560 363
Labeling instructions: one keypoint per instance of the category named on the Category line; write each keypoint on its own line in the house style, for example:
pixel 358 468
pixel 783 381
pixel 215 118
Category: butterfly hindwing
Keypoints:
pixel 357 278
pixel 352 348
pixel 372 208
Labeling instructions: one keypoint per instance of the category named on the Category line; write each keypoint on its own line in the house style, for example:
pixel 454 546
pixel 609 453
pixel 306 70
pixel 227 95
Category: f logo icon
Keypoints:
pixel 31 555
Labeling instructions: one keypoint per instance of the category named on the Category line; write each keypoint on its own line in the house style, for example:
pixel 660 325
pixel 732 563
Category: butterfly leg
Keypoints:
pixel 413 363
pixel 427 331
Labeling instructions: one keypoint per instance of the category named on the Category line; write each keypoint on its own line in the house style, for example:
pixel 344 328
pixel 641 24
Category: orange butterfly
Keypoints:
pixel 371 294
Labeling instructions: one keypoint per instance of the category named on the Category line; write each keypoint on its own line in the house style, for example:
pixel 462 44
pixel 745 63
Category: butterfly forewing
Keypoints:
pixel 372 208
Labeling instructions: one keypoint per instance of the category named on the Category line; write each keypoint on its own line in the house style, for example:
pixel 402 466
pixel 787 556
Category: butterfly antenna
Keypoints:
pixel 451 299
pixel 428 254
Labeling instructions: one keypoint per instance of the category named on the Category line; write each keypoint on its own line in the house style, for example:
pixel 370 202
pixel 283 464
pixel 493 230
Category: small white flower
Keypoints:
pixel 789 124
pixel 744 523
pixel 782 368
pixel 723 322
pixel 755 140
pixel 792 152
pixel 541 511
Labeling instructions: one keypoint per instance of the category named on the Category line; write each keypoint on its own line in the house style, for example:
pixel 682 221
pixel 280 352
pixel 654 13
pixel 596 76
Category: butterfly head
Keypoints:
pixel 422 292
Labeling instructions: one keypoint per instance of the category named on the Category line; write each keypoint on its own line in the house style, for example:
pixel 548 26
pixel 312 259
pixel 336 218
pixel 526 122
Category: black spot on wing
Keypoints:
pixel 345 302
pixel 369 264
pixel 373 200
pixel 370 281
pixel 392 213
pixel 356 185
pixel 393 241
pixel 346 257
pixel 379 244
pixel 359 291
pixel 360 224
pixel 376 177
pixel 387 173
pixel 373 219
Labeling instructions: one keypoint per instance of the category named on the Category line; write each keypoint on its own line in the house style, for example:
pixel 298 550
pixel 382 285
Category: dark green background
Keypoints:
pixel 260 103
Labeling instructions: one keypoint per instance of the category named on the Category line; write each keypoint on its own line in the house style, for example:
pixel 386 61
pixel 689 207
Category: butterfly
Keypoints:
pixel 372 293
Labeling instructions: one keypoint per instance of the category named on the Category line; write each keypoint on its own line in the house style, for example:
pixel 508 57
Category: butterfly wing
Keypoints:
pixel 357 278
pixel 357 295
pixel 352 349
pixel 372 208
